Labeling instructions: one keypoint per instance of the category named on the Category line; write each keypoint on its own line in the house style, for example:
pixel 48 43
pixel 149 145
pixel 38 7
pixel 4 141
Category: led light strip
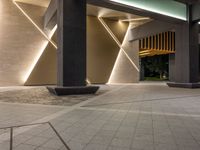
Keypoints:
pixel 110 32
pixel 135 19
pixel 137 5
pixel 118 57
pixel 52 32
pixel 38 56
pixel 130 60
pixel 35 61
pixel 44 45
pixel 117 41
pixel 114 67
pixel 27 16
pixel 87 80
pixel 26 76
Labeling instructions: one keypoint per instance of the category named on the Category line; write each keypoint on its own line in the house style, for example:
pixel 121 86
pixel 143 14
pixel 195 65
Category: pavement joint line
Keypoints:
pixel 11 138
pixel 5 136
pixel 61 139
pixel 23 125
pixel 142 112
pixel 97 97
pixel 36 124
pixel 34 105
pixel 138 101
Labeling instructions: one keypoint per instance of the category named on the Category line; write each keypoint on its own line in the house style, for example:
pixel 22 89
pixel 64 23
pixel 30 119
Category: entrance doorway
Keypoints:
pixel 154 56
pixel 155 68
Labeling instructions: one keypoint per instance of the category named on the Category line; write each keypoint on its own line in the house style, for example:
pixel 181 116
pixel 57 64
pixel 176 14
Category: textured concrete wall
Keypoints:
pixel 126 68
pixel 199 38
pixel 106 60
pixel 102 52
pixel 20 42
pixel 45 71
pixel 149 29
pixel 172 68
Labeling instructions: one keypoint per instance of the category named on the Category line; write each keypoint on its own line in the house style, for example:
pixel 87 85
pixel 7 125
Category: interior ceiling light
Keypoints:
pixel 199 22
pixel 134 19
pixel 148 5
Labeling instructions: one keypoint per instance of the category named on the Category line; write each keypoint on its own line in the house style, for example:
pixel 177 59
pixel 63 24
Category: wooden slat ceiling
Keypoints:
pixel 160 44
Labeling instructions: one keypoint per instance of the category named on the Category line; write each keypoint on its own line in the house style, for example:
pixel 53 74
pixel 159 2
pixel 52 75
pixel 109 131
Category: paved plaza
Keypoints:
pixel 145 116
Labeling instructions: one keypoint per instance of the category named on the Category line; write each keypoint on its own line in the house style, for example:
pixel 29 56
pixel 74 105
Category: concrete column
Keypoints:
pixel 71 55
pixel 187 54
pixel 71 20
pixel 172 67
pixel 142 71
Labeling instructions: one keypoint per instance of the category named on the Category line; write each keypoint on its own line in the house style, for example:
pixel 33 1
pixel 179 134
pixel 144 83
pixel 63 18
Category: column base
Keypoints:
pixel 76 90
pixel 184 85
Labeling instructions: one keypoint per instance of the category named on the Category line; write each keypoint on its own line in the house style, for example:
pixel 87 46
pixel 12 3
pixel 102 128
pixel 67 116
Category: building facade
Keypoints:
pixel 77 42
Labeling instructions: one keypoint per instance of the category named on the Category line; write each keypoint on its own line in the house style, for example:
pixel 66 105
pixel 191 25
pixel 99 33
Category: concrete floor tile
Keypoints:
pixel 95 147
pixel 121 142
pixel 150 119
pixel 76 145
pixel 25 147
pixel 117 148
pixel 36 141
pixel 53 143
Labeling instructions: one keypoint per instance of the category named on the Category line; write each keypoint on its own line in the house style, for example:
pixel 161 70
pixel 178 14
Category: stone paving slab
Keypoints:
pixel 15 114
pixel 149 117
pixel 145 93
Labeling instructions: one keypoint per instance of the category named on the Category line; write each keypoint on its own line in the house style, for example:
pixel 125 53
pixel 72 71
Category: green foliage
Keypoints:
pixel 157 64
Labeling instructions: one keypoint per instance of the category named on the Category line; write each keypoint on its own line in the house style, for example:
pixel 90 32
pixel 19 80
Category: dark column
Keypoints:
pixel 71 17
pixel 142 77
pixel 171 67
pixel 187 54
pixel 71 55
pixel 196 12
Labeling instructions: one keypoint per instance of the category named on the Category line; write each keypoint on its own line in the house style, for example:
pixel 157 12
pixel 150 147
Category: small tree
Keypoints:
pixel 157 64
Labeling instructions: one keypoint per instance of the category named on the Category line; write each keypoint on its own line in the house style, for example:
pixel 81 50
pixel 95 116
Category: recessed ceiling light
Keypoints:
pixel 134 19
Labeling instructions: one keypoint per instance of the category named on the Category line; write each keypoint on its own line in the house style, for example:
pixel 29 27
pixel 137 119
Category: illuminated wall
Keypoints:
pixel 111 57
pixel 20 42
pixel 126 68
pixel 177 10
pixel 102 52
pixel 28 53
